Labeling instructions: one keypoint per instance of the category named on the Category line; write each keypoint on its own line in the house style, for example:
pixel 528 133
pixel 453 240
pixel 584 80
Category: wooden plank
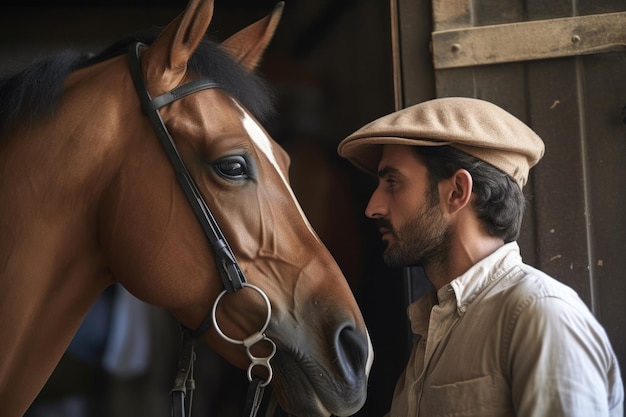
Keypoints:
pixel 449 14
pixel 532 40
pixel 559 178
pixel 605 152
pixel 414 78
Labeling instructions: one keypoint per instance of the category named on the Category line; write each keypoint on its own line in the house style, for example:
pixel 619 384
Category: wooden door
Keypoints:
pixel 560 66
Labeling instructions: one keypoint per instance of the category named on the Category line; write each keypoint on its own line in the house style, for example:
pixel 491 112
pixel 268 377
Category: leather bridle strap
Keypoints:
pixel 184 384
pixel 230 272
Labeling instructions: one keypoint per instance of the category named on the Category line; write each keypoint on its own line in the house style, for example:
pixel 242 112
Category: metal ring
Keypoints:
pixel 267 320
pixel 263 361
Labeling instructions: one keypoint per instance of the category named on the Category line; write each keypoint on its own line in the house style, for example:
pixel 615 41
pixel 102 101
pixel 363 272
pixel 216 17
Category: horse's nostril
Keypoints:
pixel 352 347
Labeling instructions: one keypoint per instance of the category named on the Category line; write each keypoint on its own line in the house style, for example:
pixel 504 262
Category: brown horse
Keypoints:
pixel 90 198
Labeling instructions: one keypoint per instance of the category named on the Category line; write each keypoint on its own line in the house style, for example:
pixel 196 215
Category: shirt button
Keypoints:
pixel 463 309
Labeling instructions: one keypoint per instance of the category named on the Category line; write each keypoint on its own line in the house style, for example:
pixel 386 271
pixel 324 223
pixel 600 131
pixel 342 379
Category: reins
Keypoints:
pixel 230 272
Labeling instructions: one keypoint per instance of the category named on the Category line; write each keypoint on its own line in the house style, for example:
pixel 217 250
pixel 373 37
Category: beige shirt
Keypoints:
pixel 507 340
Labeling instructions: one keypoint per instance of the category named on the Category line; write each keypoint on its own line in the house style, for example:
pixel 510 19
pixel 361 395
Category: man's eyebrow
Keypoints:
pixel 386 171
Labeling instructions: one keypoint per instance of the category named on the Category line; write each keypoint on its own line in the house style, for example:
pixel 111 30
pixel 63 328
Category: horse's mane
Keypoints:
pixel 35 91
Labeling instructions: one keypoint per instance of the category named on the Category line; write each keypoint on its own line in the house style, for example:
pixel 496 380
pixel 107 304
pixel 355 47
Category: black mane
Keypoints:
pixel 34 92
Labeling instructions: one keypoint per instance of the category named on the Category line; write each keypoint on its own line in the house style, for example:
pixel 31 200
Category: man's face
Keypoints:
pixel 407 211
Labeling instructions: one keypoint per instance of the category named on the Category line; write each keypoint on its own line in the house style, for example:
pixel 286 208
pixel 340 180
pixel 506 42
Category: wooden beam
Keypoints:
pixel 532 40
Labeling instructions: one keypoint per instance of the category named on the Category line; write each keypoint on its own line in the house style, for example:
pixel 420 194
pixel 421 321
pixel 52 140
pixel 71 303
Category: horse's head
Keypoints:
pixel 157 249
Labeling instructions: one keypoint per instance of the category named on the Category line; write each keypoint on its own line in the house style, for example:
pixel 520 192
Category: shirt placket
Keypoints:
pixel 443 318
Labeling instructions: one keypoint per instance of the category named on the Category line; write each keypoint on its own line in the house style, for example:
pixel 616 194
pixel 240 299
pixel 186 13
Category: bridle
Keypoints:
pixel 230 272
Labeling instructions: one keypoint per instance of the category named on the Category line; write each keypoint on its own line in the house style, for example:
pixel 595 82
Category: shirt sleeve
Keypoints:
pixel 561 362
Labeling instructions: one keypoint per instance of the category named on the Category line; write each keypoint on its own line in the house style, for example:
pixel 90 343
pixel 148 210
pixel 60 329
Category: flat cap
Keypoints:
pixel 477 127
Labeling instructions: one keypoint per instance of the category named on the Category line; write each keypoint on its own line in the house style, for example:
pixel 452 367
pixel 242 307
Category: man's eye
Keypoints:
pixel 232 167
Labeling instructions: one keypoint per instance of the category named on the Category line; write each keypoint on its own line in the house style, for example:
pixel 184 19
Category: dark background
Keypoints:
pixel 330 66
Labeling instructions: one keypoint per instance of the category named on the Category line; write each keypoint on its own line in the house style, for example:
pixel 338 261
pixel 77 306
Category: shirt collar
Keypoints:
pixel 465 288
pixel 470 284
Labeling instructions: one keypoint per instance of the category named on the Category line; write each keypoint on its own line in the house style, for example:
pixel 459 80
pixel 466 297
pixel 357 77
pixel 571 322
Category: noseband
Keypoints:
pixel 231 274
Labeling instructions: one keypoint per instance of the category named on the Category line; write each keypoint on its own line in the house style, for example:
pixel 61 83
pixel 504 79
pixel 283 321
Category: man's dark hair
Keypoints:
pixel 499 202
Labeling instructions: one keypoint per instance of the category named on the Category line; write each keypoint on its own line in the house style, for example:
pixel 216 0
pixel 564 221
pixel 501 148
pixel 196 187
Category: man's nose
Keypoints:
pixel 374 207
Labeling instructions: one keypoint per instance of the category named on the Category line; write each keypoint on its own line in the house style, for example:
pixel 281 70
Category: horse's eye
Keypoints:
pixel 232 167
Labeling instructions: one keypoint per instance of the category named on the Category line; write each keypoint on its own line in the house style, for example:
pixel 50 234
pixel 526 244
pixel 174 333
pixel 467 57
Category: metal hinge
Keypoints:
pixel 525 41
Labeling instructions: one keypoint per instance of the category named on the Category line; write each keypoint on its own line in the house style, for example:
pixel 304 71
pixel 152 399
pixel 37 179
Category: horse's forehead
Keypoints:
pixel 262 141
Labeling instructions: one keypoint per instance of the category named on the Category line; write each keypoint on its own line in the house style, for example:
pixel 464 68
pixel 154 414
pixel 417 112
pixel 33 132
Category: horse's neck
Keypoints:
pixel 42 302
pixel 51 270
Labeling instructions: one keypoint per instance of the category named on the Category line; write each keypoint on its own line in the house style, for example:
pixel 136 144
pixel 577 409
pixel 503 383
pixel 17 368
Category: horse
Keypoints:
pixel 164 180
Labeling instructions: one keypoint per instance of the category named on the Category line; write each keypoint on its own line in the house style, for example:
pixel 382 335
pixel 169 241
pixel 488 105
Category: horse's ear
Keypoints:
pixel 248 45
pixel 165 61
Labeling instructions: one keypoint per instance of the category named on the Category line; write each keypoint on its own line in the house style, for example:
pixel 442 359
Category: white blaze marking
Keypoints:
pixel 263 143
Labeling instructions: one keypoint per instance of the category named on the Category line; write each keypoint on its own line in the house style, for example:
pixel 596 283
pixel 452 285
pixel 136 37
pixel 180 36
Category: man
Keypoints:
pixel 497 337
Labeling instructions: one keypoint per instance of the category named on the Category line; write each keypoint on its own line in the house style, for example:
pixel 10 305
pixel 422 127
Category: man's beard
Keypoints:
pixel 422 240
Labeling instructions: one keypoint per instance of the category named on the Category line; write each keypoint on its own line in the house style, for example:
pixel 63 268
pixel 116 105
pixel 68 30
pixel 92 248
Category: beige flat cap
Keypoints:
pixel 474 126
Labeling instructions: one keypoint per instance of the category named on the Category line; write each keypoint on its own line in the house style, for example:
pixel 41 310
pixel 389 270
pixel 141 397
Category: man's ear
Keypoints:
pixel 457 190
